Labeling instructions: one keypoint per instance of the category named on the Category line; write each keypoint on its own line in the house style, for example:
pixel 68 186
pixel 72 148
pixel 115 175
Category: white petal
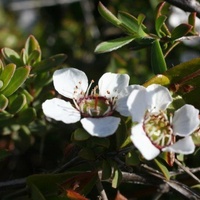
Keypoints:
pixel 137 104
pixel 158 97
pixel 68 80
pixel 183 146
pixel 142 143
pixel 111 84
pixel 60 110
pixel 185 120
pixel 100 127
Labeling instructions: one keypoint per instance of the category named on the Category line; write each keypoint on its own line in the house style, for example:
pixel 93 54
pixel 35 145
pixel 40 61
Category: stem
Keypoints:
pixel 101 189
pixel 187 170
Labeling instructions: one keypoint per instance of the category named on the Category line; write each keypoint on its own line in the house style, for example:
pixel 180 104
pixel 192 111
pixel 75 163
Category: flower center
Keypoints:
pixel 95 106
pixel 158 129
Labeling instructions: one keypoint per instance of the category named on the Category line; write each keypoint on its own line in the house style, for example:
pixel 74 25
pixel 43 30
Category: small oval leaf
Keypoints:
pixel 49 63
pixel 108 15
pixel 17 80
pixel 113 44
pixel 3 102
pixel 11 56
pixel 7 75
pixel 17 104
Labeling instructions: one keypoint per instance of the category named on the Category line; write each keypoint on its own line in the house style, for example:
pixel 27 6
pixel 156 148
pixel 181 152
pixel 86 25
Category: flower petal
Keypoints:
pixel 60 110
pixel 185 120
pixel 137 104
pixel 183 146
pixel 69 80
pixel 142 143
pixel 158 97
pixel 121 104
pixel 111 84
pixel 100 127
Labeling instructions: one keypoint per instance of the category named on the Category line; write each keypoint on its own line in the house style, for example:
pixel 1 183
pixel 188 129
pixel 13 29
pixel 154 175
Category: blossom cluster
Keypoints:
pixel 155 129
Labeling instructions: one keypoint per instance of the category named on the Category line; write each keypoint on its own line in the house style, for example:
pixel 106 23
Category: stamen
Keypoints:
pixel 88 89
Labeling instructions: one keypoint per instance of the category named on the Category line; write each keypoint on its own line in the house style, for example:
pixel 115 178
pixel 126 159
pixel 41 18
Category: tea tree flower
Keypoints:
pixel 156 129
pixel 93 108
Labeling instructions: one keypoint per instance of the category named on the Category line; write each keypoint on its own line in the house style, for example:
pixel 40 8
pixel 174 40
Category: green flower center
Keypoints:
pixel 95 106
pixel 158 128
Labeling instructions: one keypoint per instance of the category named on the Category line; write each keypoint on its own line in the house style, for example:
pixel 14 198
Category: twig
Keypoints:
pixel 187 170
pixel 101 189
pixel 186 5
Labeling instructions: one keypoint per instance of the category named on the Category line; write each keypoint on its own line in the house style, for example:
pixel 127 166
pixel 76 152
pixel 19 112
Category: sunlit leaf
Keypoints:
pixel 196 137
pixel 117 176
pixel 31 45
pixel 3 102
pixel 113 44
pixel 12 56
pixel 108 15
pixel 7 74
pixel 158 79
pixel 131 24
pixel 17 80
pixel 33 57
pixel 163 169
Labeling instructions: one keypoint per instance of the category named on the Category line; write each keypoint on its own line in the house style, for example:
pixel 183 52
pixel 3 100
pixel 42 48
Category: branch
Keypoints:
pixel 186 5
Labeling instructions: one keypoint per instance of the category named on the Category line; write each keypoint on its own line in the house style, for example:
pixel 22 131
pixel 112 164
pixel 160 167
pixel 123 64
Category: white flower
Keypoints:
pixel 94 109
pixel 156 130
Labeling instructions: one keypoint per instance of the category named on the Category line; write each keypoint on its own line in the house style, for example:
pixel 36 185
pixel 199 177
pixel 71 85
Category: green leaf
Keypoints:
pixel 108 15
pixel 104 142
pixel 117 176
pixel 163 169
pixel 3 102
pixel 12 56
pixel 113 44
pixel 196 137
pixel 80 134
pixel 26 116
pixel 34 56
pixel 17 104
pixel 158 79
pixel 7 74
pixel 159 24
pixel 106 170
pixel 132 24
pixel 158 63
pixel 31 45
pixel 17 80
pixel 49 63
pixel 192 21
pixel 35 193
pixel 87 154
pixel 132 158
pixel 180 31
